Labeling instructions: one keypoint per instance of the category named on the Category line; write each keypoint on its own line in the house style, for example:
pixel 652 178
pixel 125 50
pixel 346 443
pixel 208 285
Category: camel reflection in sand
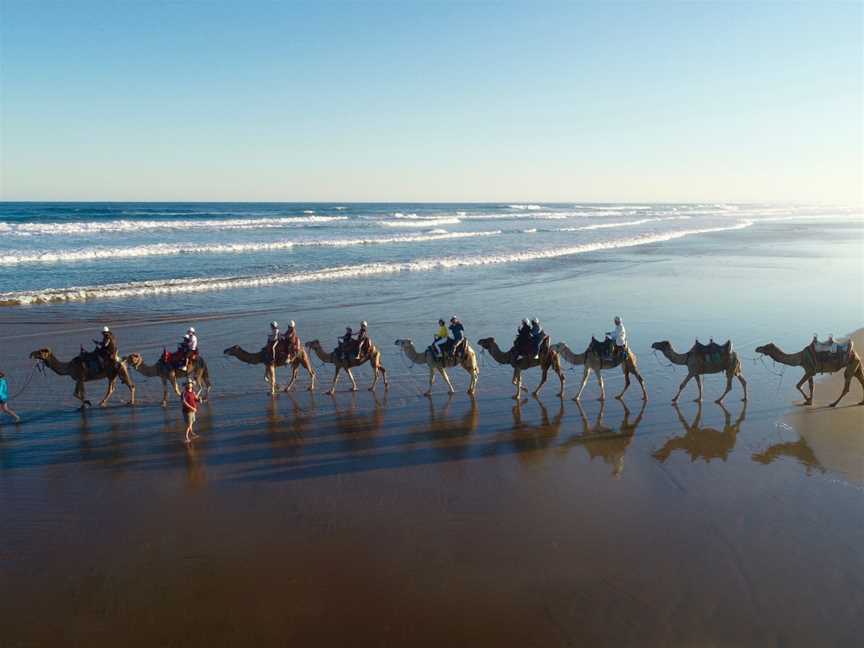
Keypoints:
pixel 528 437
pixel 604 442
pixel 704 443
pixel 799 450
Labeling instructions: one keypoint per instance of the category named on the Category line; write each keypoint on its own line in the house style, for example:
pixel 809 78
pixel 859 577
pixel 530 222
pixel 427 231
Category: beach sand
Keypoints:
pixel 394 519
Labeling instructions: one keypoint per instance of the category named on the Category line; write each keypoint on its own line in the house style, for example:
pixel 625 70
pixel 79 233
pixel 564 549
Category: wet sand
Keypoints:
pixel 391 519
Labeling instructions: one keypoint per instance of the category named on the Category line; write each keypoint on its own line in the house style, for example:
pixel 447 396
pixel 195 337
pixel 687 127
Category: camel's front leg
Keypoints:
pixel 517 380
pixel 586 373
pixel 165 393
pixel 447 380
pixel 312 376
pixel 602 386
pixel 561 379
pixel 108 392
pixel 700 381
pixel 354 382
pixel 335 380
pixel 807 399
pixel 682 386
pixel 743 386
pixel 431 380
pixel 729 376
pixel 810 383
pixel 174 383
pixel 472 386
pixel 626 383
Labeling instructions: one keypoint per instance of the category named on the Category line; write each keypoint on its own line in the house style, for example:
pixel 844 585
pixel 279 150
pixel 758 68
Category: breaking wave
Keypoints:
pixel 414 221
pixel 167 249
pixel 96 227
pixel 176 286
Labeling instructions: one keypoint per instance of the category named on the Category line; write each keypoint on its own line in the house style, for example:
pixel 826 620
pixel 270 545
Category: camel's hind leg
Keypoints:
pixel 556 365
pixel 635 371
pixel 307 363
pixel 431 380
pixel 335 380
pixel 543 379
pixel 475 374
pixel 729 376
pixel 517 381
pixel 850 374
pixel 743 385
pixel 80 394
pixel 295 367
pixel 354 382
pixel 602 386
pixel 586 373
pixel 683 385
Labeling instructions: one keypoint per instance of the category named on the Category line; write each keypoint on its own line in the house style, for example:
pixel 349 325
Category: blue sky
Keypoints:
pixel 409 101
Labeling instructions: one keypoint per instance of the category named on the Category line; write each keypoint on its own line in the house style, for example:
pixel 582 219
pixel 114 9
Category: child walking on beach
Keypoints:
pixel 4 398
pixel 190 408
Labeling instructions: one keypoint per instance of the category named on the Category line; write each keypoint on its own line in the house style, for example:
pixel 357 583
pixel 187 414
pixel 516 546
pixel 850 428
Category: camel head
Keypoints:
pixel 486 343
pixel 661 346
pixel 134 359
pixel 232 350
pixel 403 342
pixel 766 349
pixel 311 344
pixel 558 347
pixel 41 354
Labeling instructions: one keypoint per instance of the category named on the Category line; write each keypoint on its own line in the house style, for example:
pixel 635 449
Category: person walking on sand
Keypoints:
pixel 4 398
pixel 190 408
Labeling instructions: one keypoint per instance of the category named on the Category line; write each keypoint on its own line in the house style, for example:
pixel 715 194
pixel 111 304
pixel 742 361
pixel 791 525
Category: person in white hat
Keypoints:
pixel 618 335
pixel 292 340
pixel 273 339
pixel 106 348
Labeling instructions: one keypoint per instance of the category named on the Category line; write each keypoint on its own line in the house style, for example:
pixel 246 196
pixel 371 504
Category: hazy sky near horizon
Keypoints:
pixel 541 101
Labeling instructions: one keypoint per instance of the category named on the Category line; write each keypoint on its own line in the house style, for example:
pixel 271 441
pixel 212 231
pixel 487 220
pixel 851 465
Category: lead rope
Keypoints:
pixel 38 365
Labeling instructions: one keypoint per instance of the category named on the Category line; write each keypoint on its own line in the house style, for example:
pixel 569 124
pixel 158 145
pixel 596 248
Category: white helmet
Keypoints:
pixel 191 329
pixel 363 324
pixel 274 324
pixel 187 336
pixel 535 321
pixel 617 319
pixel 291 324
pixel 525 320
pixel 105 329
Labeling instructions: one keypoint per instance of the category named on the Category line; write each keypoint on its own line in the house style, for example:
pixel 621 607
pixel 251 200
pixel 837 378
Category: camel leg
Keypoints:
pixel 517 380
pixel 472 386
pixel 108 392
pixel 700 384
pixel 810 383
pixel 561 379
pixel 270 377
pixel 431 380
pixel 174 383
pixel 626 382
pixel 807 400
pixel 543 379
pixel 845 391
pixel 335 380
pixel 860 376
pixel 354 382
pixel 164 393
pixel 683 385
pixel 294 369
pixel 80 394
pixel 743 386
pixel 602 387
pixel 308 365
pixel 586 373
pixel 447 380
pixel 728 387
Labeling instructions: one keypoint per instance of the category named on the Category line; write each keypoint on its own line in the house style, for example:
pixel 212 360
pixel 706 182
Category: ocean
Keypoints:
pixel 213 254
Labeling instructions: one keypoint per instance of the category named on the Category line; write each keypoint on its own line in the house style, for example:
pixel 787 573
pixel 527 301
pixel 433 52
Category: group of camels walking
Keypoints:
pixel 699 360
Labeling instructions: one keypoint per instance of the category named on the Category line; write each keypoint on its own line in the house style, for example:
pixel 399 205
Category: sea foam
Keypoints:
pixel 179 286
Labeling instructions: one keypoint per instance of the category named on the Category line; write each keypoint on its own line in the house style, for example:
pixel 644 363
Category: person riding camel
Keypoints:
pixel 292 340
pixel 106 348
pixel 364 344
pixel 537 335
pixel 343 346
pixel 458 332
pixel 187 350
pixel 273 340
pixel 441 341
pixel 618 336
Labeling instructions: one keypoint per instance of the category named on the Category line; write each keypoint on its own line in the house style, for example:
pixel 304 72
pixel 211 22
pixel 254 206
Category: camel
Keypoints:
pixel 81 374
pixel 808 359
pixel 263 357
pixel 439 364
pixel 547 359
pixel 593 360
pixel 705 359
pixel 169 374
pixel 343 364
pixel 703 442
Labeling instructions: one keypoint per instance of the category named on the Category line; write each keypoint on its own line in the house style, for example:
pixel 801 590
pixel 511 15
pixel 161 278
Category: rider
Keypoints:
pixel 106 348
pixel 363 341
pixel 537 335
pixel 292 340
pixel 619 336
pixel 440 343
pixel 187 349
pixel 345 343
pixel 458 332
pixel 273 340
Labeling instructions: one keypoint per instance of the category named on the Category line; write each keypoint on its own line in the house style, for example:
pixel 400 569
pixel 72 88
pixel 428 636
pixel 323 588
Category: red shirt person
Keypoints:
pixel 190 402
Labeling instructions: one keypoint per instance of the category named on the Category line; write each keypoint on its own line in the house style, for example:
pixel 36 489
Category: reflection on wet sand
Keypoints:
pixel 527 437
pixel 705 443
pixel 196 475
pixel 600 440
pixel 799 450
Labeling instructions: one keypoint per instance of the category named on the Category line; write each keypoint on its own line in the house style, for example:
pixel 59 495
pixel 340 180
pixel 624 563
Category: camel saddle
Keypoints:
pixel 91 361
pixel 831 350
pixel 604 349
pixel 178 358
pixel 712 350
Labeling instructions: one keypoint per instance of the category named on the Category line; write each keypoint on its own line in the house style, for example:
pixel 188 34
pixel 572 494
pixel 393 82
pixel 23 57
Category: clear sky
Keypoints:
pixel 530 101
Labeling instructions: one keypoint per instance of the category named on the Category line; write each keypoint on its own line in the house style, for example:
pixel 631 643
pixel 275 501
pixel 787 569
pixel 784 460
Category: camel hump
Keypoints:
pixel 712 348
pixel 831 351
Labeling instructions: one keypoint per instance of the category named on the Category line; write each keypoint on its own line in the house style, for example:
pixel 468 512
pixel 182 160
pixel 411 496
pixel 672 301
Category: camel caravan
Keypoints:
pixel 531 348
